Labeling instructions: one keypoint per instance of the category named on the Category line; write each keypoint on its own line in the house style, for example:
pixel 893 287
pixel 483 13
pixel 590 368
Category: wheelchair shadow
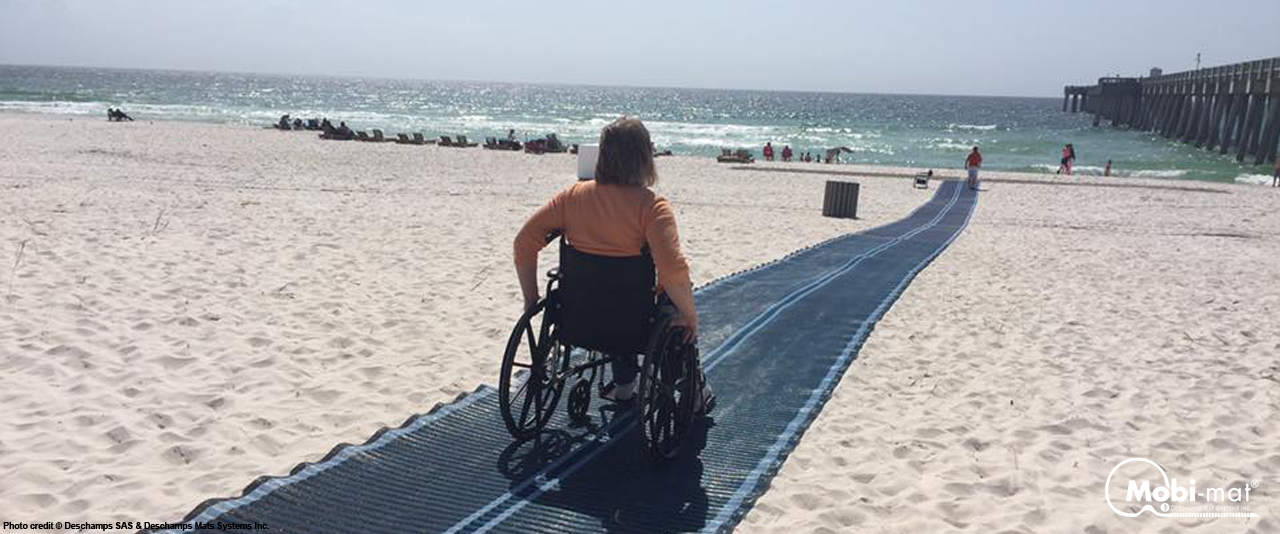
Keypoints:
pixel 621 486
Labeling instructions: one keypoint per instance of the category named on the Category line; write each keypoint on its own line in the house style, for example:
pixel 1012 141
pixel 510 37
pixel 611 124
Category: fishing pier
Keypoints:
pixel 1231 108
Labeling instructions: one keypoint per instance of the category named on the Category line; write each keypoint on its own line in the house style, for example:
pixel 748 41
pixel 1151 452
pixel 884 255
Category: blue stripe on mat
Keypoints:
pixel 776 341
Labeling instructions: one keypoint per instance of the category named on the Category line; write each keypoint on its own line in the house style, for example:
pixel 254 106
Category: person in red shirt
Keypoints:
pixel 786 152
pixel 972 164
pixel 768 151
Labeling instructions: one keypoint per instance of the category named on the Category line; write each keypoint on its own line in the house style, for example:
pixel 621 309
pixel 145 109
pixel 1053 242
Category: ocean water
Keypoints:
pixel 1015 134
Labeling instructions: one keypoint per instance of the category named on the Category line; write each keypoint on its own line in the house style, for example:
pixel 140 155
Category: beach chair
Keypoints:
pixel 739 156
pixel 445 141
pixel 554 145
pixel 922 180
pixel 403 139
pixel 377 137
pixel 462 142
pixel 491 143
pixel 418 139
pixel 361 136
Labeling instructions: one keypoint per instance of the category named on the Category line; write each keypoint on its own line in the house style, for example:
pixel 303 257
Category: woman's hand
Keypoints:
pixel 690 324
pixel 682 297
pixel 528 277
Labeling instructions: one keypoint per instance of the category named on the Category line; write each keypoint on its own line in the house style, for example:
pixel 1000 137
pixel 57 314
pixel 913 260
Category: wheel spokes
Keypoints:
pixel 525 398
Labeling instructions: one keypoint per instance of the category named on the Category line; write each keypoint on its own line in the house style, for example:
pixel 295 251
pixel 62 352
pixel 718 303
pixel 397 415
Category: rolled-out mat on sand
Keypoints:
pixel 775 341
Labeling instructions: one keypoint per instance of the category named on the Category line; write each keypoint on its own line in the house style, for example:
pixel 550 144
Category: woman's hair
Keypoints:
pixel 626 154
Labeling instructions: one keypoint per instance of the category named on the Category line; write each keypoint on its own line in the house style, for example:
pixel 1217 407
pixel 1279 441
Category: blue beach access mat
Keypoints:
pixel 775 341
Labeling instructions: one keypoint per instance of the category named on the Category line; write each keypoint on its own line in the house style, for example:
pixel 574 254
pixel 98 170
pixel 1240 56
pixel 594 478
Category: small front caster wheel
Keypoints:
pixel 580 400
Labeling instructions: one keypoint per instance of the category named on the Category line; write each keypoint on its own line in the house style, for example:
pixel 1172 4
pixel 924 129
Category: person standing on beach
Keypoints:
pixel 768 151
pixel 1064 165
pixel 1107 171
pixel 972 164
pixel 1275 180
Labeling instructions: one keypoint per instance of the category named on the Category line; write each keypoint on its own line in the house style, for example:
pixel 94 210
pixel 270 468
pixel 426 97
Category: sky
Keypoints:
pixel 976 47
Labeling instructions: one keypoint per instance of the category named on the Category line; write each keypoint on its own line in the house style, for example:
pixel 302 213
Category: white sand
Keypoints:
pixel 1067 329
pixel 199 305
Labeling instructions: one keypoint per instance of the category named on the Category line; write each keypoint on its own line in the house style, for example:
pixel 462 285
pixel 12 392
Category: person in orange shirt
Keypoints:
pixel 972 164
pixel 617 214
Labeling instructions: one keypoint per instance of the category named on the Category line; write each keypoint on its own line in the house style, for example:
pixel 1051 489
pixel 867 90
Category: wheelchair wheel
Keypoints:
pixel 668 388
pixel 532 375
pixel 580 400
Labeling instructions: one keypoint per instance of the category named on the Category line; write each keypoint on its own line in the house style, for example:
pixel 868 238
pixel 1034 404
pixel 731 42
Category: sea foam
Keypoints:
pixel 1254 179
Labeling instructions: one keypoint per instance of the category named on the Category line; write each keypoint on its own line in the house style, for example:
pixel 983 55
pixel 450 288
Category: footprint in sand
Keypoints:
pixel 180 455
pixel 161 421
pixel 119 435
pixel 69 351
pixel 258 342
pixel 341 343
pixel 35 501
pixel 173 363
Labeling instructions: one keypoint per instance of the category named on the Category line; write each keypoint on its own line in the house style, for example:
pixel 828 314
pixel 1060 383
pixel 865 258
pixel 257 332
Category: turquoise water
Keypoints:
pixel 1016 134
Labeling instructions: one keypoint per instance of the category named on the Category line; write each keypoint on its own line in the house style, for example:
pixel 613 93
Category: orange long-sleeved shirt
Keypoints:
pixel 609 220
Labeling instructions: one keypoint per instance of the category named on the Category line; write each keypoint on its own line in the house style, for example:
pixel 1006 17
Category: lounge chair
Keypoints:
pixel 418 139
pixel 377 137
pixel 740 156
pixel 922 180
pixel 554 144
pixel 493 143
pixel 361 136
pixel 462 142
pixel 445 141
pixel 402 139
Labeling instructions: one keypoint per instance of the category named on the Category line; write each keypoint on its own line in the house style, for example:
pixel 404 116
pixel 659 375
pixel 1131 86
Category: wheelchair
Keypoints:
pixel 597 306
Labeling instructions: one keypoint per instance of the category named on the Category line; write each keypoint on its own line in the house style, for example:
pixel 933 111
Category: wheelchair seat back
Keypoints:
pixel 606 303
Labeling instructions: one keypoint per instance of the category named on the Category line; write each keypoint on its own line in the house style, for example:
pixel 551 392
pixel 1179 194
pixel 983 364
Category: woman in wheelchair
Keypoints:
pixel 615 232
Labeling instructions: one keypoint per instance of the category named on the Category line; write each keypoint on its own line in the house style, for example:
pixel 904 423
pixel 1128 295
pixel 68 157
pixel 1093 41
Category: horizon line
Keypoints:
pixel 509 82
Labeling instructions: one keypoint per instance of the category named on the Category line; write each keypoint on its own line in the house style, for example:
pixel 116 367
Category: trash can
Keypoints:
pixel 840 200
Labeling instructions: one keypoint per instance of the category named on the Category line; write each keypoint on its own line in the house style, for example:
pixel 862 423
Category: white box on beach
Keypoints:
pixel 587 156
